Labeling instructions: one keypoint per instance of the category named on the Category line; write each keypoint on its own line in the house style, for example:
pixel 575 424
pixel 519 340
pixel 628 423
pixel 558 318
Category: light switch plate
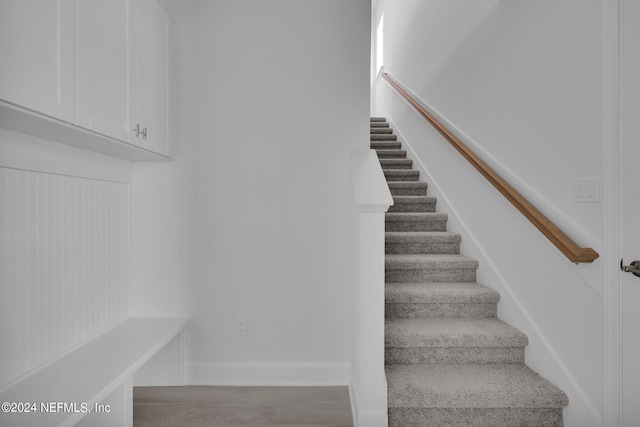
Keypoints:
pixel 585 190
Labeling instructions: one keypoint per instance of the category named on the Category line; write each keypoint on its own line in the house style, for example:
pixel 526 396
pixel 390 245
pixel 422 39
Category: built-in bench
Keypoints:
pixel 91 385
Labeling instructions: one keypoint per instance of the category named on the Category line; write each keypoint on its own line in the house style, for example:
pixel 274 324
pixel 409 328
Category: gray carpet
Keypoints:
pixel 449 360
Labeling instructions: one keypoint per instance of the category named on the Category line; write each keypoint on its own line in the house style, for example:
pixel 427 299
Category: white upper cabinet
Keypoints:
pixel 36 50
pixel 90 73
pixel 151 77
pixel 103 67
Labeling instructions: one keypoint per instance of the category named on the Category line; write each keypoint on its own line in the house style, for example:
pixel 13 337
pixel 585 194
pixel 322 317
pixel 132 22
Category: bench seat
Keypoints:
pixel 90 372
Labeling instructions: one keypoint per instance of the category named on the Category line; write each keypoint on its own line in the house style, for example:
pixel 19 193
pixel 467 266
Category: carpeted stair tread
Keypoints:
pixel 429 268
pixel 416 216
pixel 422 242
pixel 434 293
pixel 380 131
pixel 415 221
pixel 401 174
pixel 446 299
pixel 392 153
pixel 385 145
pixel 445 340
pixel 378 119
pixel 415 199
pixel 413 204
pixel 429 261
pixel 407 188
pixel 383 137
pixel 421 236
pixel 396 163
pixel 470 386
pixel 379 124
pixel 451 332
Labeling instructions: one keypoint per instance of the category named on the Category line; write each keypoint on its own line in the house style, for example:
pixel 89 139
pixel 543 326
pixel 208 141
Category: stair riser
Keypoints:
pixel 398 174
pixel 472 310
pixel 422 248
pixel 416 226
pixel 413 207
pixel 408 191
pixel 379 125
pixel 485 417
pixel 440 355
pixel 407 166
pixel 381 131
pixel 396 167
pixel 378 119
pixel 430 275
pixel 375 137
pixel 392 154
pixel 395 177
pixel 385 145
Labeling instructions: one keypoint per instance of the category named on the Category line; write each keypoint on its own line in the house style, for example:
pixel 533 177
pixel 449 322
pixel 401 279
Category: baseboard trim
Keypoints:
pixel 372 419
pixel 362 418
pixel 268 373
pixel 354 405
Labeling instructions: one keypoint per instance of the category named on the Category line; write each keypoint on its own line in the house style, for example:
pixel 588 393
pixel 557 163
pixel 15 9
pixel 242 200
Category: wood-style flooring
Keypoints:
pixel 203 406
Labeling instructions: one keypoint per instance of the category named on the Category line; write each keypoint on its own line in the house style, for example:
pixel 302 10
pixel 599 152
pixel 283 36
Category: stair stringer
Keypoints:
pixel 540 354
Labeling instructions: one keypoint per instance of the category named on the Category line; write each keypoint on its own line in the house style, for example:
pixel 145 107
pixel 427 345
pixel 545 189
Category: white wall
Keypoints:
pixel 64 249
pixel 163 201
pixel 257 209
pixel 253 218
pixel 521 83
pixel 476 62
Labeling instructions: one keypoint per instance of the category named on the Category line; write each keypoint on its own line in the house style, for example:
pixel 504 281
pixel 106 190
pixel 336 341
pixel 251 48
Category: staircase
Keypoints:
pixel 449 360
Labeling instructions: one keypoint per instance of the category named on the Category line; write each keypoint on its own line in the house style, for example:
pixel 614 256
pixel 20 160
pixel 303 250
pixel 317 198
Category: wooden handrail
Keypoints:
pixel 563 242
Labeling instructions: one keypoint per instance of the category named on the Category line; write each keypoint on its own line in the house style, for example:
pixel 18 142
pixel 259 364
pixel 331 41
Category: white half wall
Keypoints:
pixel 368 381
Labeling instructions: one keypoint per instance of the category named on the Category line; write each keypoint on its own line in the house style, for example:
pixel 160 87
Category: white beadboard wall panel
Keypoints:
pixel 65 264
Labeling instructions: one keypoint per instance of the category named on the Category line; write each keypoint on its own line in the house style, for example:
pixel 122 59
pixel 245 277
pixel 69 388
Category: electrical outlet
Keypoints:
pixel 241 325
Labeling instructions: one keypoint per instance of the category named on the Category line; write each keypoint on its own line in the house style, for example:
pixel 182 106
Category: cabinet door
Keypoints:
pixel 103 69
pixel 36 47
pixel 151 111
